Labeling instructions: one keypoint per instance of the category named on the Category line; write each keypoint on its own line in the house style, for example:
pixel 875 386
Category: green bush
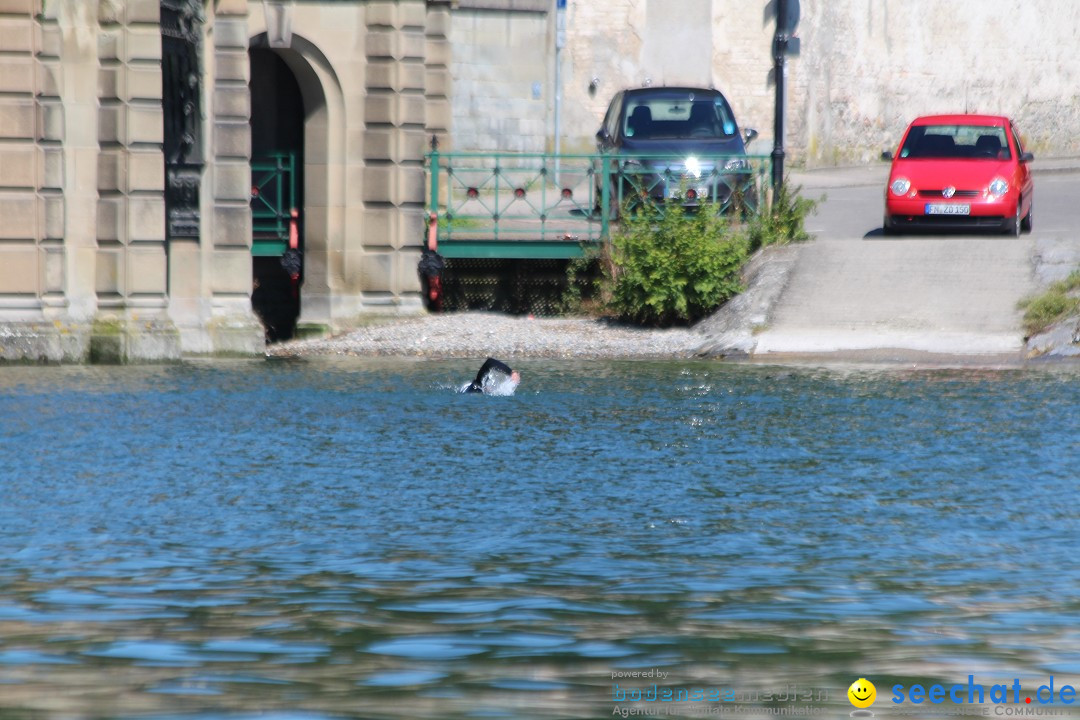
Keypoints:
pixel 784 221
pixel 673 266
pixel 665 265
pixel 1057 303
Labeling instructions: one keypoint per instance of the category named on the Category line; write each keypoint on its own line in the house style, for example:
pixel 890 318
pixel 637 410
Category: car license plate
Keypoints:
pixel 947 209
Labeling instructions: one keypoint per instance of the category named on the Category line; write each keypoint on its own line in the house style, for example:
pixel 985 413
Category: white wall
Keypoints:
pixel 867 67
pixel 500 60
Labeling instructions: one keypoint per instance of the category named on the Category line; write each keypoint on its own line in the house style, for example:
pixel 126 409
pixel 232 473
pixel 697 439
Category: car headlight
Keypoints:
pixel 693 166
pixel 900 186
pixel 999 187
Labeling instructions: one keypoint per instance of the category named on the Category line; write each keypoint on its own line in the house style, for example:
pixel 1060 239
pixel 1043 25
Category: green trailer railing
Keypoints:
pixel 545 206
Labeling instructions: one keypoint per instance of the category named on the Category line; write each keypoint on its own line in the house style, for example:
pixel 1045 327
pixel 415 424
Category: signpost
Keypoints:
pixel 560 43
pixel 784 44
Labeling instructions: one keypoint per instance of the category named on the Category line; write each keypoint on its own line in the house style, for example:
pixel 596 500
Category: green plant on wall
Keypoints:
pixel 1060 301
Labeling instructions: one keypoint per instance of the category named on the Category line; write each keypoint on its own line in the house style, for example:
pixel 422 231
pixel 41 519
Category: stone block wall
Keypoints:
pixel 394 141
pixel 131 254
pixel 503 76
pixel 29 271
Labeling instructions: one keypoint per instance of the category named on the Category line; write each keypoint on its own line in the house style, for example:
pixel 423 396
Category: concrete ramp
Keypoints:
pixel 936 295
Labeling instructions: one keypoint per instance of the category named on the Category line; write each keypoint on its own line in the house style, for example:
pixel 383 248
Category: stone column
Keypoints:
pixel 211 276
pixel 132 263
pixel 438 81
pixel 234 326
pixel 69 60
pixel 31 227
pixel 394 146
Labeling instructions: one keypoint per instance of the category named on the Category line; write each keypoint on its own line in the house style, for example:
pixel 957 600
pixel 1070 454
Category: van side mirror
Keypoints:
pixel 602 135
pixel 749 134
pixel 887 155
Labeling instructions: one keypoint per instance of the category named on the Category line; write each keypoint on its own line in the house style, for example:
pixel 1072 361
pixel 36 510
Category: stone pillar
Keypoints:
pixel 69 58
pixel 31 250
pixel 210 276
pixel 132 263
pixel 234 327
pixel 394 146
pixel 438 81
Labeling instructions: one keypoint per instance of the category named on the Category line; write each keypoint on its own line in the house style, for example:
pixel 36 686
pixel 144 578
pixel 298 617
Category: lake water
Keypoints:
pixel 351 538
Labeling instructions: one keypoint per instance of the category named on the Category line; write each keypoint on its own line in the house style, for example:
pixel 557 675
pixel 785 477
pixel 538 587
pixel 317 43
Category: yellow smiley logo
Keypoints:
pixel 862 693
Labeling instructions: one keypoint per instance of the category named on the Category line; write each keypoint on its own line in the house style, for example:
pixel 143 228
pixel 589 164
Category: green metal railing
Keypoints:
pixel 273 198
pixel 535 205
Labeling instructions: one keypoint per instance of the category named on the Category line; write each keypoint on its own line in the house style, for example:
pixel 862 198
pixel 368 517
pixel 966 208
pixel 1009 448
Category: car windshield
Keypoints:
pixel 667 117
pixel 981 142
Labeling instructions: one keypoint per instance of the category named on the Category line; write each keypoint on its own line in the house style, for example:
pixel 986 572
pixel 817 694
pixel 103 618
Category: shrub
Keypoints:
pixel 667 266
pixel 1057 303
pixel 784 221
pixel 673 266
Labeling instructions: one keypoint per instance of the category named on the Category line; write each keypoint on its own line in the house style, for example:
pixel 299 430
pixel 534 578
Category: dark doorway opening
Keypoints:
pixel 277 193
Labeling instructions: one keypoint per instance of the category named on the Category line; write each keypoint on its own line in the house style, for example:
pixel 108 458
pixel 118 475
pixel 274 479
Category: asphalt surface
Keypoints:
pixel 854 291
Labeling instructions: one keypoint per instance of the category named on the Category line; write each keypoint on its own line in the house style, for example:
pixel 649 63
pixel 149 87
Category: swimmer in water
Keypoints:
pixel 494 378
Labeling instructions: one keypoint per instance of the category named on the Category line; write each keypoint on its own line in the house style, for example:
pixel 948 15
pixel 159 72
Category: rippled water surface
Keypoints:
pixel 320 539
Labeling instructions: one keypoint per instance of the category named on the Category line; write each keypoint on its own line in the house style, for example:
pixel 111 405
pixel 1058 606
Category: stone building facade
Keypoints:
pixel 134 135
pixel 128 133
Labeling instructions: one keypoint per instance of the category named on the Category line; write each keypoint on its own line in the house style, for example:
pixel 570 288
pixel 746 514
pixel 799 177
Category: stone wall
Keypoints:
pixel 502 75
pixel 866 68
pixel 82 247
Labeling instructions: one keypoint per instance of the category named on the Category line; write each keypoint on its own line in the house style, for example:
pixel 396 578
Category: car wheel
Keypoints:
pixel 1012 227
pixel 887 228
pixel 1026 223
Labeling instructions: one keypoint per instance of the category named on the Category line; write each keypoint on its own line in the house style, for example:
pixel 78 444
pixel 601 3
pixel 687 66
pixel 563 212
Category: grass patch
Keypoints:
pixel 784 221
pixel 1059 301
pixel 458 224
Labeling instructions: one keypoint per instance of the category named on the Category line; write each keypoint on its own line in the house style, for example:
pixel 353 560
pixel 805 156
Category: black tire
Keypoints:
pixel 887 228
pixel 1012 227
pixel 1027 223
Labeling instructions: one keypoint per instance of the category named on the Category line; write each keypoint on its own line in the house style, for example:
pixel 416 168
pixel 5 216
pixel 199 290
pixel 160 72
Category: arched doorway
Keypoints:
pixel 277 193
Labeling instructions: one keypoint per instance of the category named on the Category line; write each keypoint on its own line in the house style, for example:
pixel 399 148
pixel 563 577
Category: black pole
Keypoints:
pixel 780 42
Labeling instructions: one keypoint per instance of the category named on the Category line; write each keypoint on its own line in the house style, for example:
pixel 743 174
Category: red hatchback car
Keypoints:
pixel 962 171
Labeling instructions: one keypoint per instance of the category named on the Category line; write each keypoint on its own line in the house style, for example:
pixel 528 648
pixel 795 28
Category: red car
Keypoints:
pixel 960 171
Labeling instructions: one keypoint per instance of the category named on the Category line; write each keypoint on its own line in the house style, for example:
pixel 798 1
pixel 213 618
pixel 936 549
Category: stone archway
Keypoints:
pixel 321 171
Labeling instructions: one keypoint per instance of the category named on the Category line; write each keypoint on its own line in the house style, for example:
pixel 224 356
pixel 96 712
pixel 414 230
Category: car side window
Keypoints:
pixel 1016 138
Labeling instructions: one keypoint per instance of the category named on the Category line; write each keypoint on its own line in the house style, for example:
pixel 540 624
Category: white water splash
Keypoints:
pixel 497 383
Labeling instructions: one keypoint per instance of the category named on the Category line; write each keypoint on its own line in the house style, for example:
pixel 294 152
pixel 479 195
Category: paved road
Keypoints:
pixel 855 291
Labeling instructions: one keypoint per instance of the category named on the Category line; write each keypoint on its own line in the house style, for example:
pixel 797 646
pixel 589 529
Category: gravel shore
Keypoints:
pixel 477 334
